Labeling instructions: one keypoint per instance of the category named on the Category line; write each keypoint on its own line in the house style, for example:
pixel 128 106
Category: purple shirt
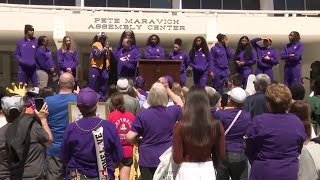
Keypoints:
pixel 127 68
pixel 220 55
pixel 199 62
pixel 247 62
pixel 274 144
pixel 25 53
pixel 156 52
pixel 44 59
pixel 182 56
pixel 262 52
pixel 155 124
pixel 234 138
pixel 295 48
pixel 143 92
pixel 78 147
pixel 67 59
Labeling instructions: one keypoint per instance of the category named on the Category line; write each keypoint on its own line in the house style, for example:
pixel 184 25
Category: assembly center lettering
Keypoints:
pixel 137 24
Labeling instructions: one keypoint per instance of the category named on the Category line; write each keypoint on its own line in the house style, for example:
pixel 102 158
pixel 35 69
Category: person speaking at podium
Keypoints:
pixel 128 57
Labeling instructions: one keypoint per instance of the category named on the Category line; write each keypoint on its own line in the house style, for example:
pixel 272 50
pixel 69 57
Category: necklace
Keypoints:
pixel 85 130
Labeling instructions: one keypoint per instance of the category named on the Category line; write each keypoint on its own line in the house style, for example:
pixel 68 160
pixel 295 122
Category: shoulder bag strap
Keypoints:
pixel 234 120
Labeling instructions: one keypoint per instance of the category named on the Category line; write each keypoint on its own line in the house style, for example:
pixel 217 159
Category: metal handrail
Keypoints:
pixel 203 11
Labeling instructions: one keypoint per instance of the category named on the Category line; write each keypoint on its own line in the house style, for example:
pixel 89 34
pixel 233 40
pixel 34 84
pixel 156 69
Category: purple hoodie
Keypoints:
pixel 44 59
pixel 199 63
pixel 295 48
pixel 248 62
pixel 182 56
pixel 25 53
pixel 67 59
pixel 128 68
pixel 220 55
pixel 156 52
pixel 262 52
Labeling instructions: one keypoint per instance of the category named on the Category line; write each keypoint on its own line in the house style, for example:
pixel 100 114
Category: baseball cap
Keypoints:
pixel 139 81
pixel 238 95
pixel 13 102
pixel 123 85
pixel 269 39
pixel 87 97
pixel 169 80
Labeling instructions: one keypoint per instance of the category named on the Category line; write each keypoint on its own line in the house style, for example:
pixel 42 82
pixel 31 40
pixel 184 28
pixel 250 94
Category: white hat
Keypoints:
pixel 123 85
pixel 13 102
pixel 238 95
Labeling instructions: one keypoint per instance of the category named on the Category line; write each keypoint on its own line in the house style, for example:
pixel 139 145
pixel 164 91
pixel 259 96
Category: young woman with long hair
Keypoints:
pixel 245 57
pixel 67 57
pixel 199 61
pixel 194 137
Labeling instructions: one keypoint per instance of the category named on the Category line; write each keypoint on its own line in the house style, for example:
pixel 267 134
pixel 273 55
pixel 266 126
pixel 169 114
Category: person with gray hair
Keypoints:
pixel 131 104
pixel 256 103
pixel 155 124
pixel 214 98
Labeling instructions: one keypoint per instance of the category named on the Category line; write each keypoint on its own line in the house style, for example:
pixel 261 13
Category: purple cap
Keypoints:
pixel 169 80
pixel 87 97
pixel 139 81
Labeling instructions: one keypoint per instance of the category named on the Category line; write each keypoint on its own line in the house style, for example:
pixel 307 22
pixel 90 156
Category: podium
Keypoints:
pixel 151 70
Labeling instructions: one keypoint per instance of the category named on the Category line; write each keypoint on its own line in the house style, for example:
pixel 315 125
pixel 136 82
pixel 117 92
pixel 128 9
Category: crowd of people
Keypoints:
pixel 218 132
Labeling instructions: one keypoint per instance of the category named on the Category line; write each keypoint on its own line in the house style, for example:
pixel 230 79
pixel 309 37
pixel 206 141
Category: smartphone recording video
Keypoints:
pixel 39 103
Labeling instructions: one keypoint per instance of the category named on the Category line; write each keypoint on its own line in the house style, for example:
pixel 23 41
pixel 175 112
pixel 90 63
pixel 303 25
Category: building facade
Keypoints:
pixel 186 19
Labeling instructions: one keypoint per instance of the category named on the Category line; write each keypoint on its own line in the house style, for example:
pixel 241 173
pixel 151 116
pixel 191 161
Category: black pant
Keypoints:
pixel 234 165
pixel 147 172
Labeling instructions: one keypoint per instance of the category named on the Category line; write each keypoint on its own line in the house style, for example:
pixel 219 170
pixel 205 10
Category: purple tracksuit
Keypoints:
pixel 265 66
pixel 200 67
pixel 25 55
pixel 128 68
pixel 44 59
pixel 68 60
pixel 245 70
pixel 183 57
pixel 292 68
pixel 156 52
pixel 219 64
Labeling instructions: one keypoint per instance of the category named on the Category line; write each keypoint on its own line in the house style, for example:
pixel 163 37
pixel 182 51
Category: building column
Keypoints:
pixel 266 5
pixel 59 30
pixel 211 33
pixel 6 70
pixel 176 4
pixel 80 3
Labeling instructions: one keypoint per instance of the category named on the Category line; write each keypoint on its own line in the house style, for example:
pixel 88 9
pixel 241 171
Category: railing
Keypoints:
pixel 15 7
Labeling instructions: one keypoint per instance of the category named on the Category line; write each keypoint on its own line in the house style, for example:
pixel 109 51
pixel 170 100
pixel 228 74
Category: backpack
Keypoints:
pixel 18 144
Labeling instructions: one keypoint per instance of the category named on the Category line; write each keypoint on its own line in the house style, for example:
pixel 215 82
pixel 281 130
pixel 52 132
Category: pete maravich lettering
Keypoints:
pixel 137 24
